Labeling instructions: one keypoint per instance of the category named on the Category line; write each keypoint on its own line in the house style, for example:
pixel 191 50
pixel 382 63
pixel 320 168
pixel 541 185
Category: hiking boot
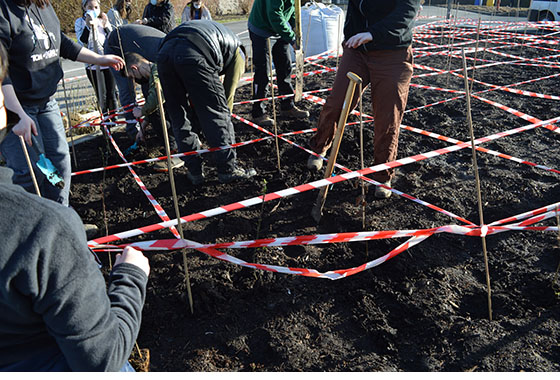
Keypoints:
pixel 315 163
pixel 263 121
pixel 196 179
pixel 161 166
pixel 381 192
pixel 295 113
pixel 236 174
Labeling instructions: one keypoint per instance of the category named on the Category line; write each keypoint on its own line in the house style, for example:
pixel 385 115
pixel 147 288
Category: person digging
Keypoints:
pixel 141 70
pixel 190 61
pixel 377 48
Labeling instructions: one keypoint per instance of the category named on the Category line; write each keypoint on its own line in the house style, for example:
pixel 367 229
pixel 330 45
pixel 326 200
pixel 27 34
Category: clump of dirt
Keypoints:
pixel 424 310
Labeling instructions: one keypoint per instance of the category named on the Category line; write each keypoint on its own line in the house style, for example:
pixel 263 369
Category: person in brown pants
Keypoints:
pixel 377 47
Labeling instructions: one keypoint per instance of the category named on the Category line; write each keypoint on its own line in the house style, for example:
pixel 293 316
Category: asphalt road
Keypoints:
pixel 76 69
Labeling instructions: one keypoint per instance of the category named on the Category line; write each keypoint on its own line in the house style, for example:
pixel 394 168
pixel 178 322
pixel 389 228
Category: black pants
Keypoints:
pixel 185 75
pixel 282 65
pixel 108 100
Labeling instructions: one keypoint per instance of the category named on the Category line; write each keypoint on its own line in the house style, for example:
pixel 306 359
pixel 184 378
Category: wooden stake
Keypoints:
pixel 475 52
pixel 31 171
pixel 173 191
pixel 298 91
pixel 478 192
pixel 363 199
pixel 317 211
pixel 273 102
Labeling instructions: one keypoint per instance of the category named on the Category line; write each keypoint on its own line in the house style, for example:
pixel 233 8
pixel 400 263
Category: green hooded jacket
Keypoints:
pixel 274 16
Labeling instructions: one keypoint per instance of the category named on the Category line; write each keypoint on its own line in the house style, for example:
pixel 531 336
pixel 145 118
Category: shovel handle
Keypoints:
pixel 322 196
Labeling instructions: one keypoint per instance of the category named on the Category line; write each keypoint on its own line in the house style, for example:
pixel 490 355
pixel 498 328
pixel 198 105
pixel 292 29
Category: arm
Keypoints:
pixel 186 15
pixel 26 125
pixel 88 56
pixel 278 18
pixel 152 103
pixel 82 32
pixel 94 328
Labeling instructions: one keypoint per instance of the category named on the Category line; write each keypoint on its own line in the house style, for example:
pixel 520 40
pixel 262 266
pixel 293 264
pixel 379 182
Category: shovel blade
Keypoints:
pixel 299 75
pixel 50 171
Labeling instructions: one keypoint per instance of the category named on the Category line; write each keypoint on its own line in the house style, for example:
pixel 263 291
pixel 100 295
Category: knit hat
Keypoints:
pixel 84 2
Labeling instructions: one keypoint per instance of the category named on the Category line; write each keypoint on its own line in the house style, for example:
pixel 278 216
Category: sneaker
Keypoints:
pixel 263 121
pixel 161 166
pixel 91 230
pixel 295 113
pixel 315 162
pixel 237 173
pixel 196 179
pixel 383 193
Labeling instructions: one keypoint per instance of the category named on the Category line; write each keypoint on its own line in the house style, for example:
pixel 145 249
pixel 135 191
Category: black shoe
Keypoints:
pixel 236 174
pixel 196 179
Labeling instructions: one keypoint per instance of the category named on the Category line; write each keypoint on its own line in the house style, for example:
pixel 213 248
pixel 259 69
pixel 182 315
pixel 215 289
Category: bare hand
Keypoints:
pixel 139 21
pixel 134 257
pixel 114 61
pixel 25 128
pixel 104 20
pixel 358 39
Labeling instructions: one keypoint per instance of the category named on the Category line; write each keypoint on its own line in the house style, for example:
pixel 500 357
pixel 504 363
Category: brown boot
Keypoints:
pixel 263 121
pixel 295 113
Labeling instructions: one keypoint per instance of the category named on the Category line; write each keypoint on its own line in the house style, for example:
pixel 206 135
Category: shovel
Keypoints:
pixel 46 166
pixel 317 211
pixel 298 91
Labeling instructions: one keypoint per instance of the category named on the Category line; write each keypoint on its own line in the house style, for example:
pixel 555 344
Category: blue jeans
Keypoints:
pixel 51 360
pixel 52 138
pixel 127 96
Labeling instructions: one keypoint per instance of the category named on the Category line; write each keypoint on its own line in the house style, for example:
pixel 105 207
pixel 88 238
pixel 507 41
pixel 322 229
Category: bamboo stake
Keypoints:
pixel 273 102
pixel 475 52
pixel 173 191
pixel 298 53
pixel 100 100
pixel 478 192
pixel 31 171
pixel 360 100
pixel 338 43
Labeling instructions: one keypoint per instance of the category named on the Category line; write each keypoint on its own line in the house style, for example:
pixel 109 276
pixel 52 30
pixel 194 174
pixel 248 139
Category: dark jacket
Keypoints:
pixel 390 22
pixel 160 16
pixel 273 18
pixel 135 38
pixel 34 49
pixel 217 43
pixel 52 293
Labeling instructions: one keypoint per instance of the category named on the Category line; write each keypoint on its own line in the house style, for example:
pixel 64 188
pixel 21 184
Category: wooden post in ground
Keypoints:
pixel 478 192
pixel 273 102
pixel 173 191
pixel 317 210
pixel 298 91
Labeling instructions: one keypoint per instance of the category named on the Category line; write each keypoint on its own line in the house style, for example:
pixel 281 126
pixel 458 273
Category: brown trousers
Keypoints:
pixel 389 73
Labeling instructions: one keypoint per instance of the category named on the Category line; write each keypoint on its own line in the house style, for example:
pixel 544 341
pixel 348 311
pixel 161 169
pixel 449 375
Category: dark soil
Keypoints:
pixel 424 310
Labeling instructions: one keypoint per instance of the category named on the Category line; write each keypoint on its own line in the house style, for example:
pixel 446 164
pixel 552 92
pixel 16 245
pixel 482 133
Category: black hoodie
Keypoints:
pixel 390 22
pixel 34 42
